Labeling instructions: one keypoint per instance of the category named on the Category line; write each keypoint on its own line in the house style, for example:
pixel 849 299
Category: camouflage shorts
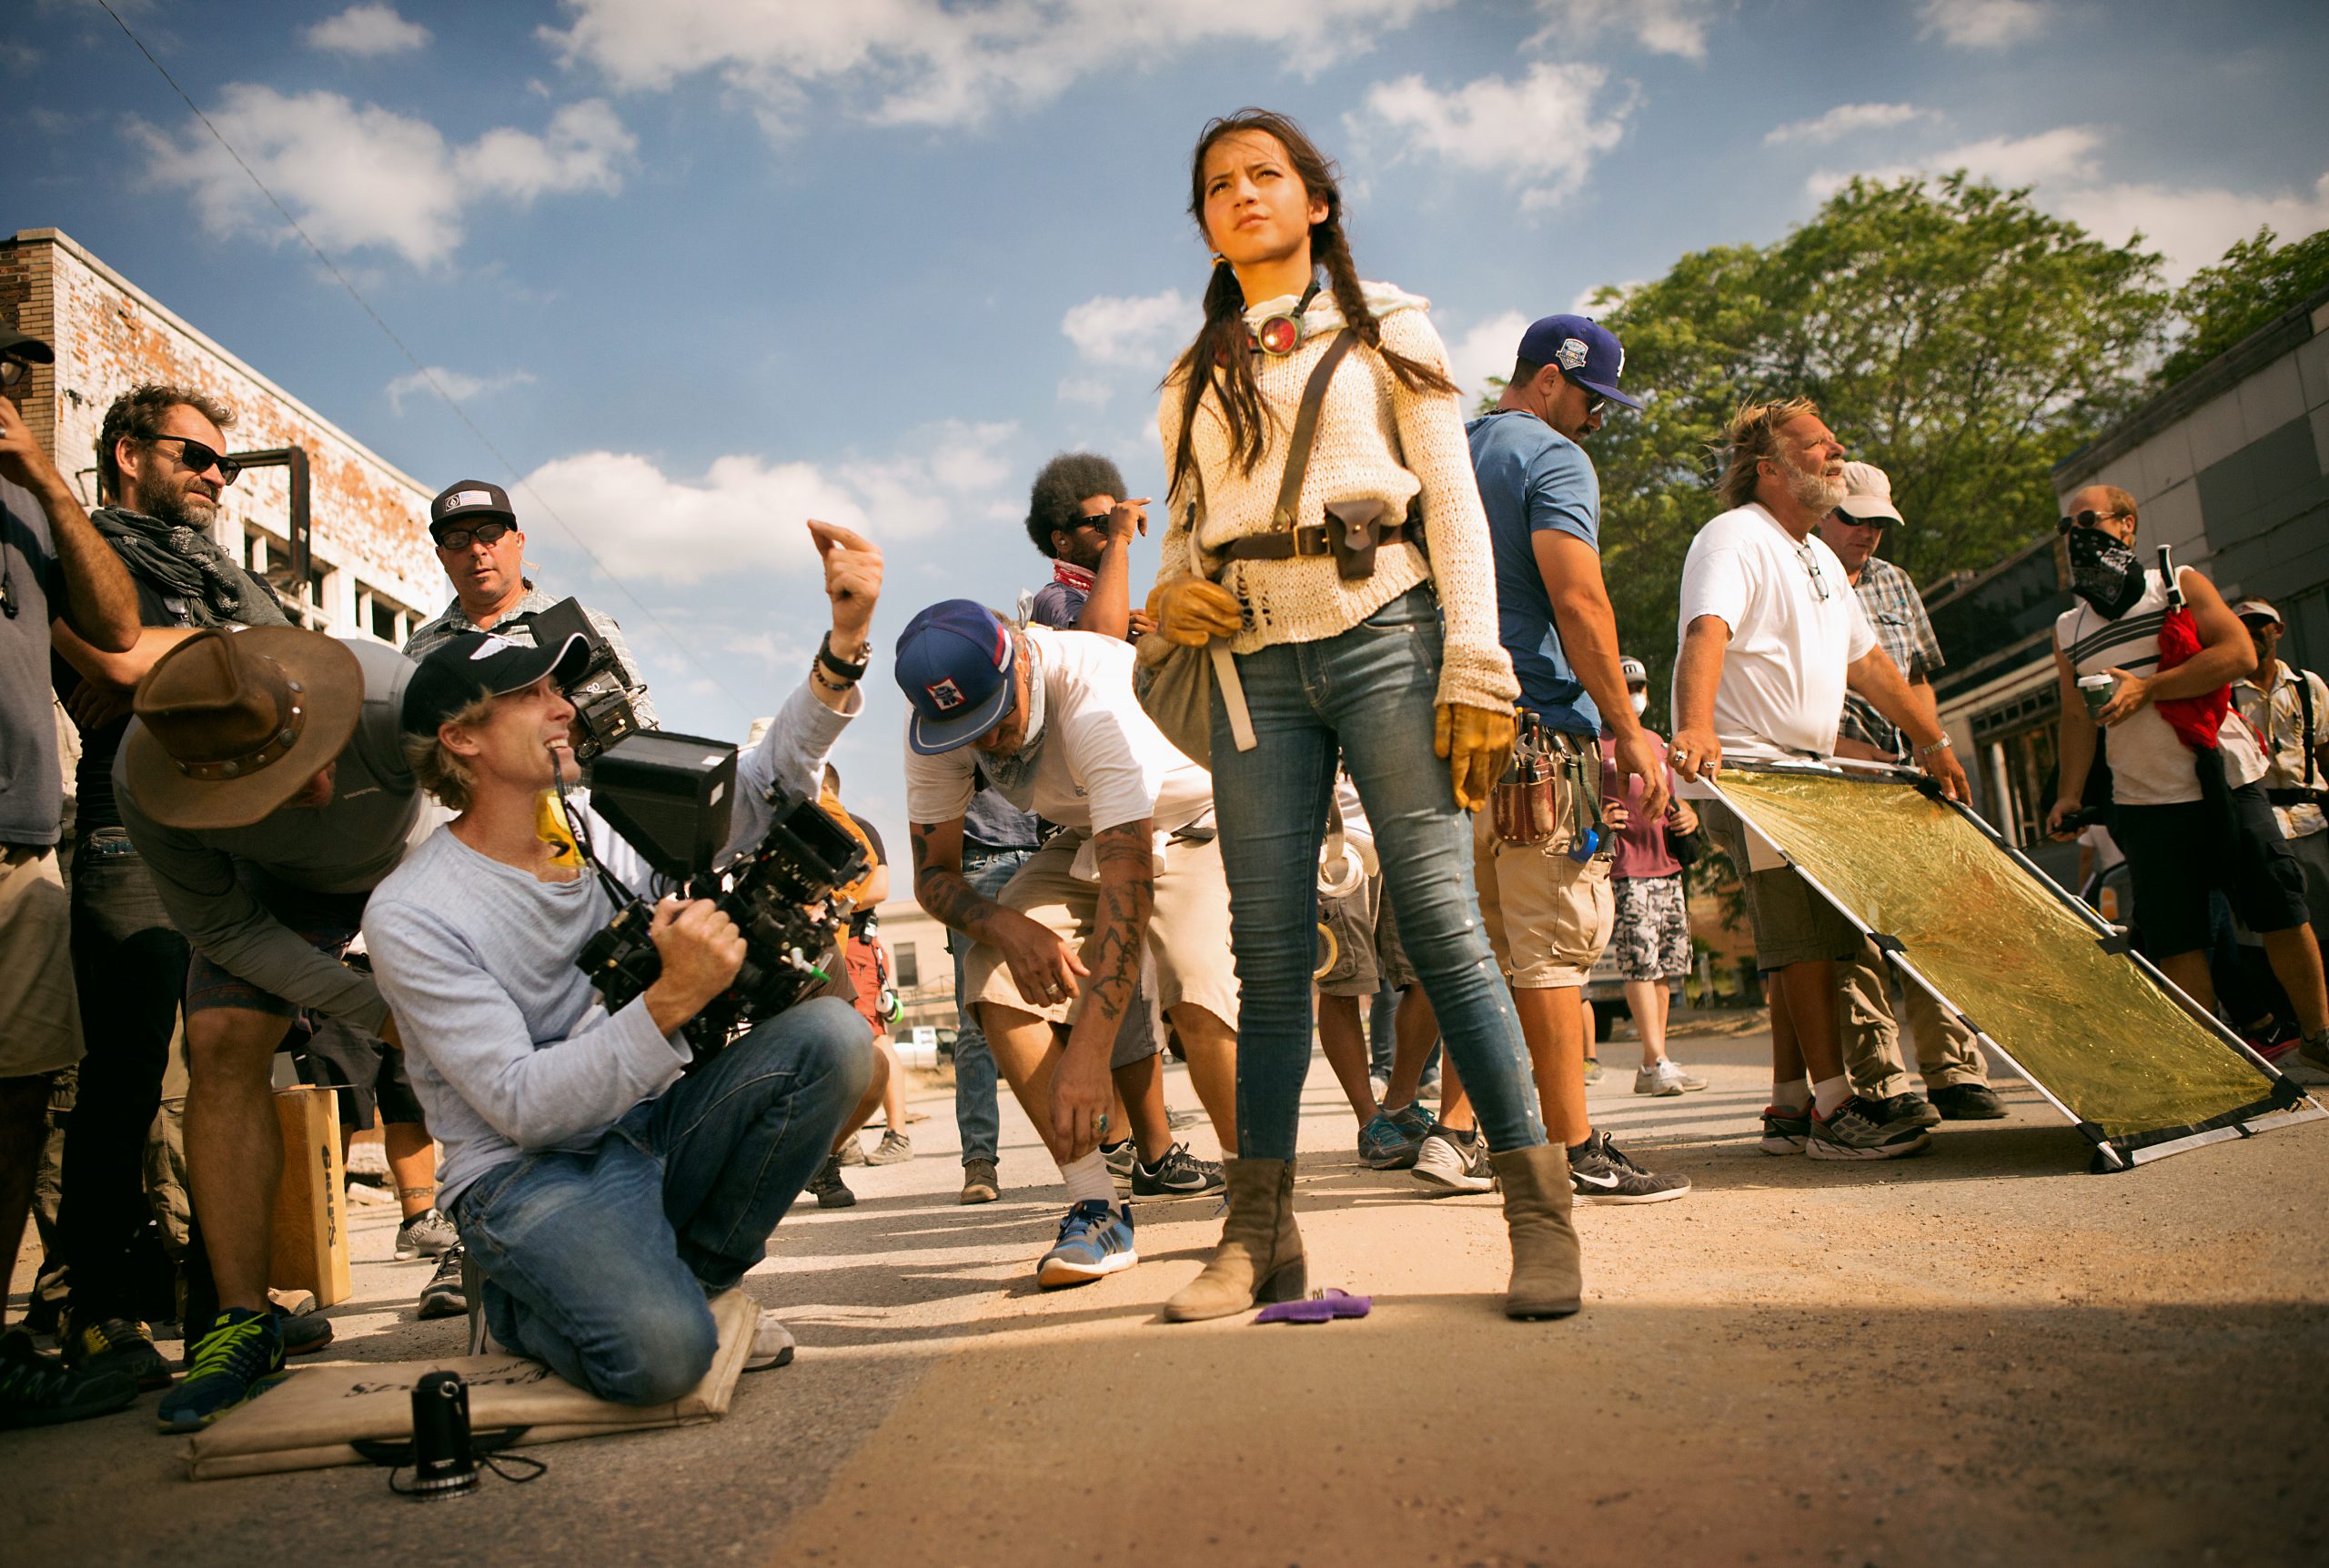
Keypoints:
pixel 1651 935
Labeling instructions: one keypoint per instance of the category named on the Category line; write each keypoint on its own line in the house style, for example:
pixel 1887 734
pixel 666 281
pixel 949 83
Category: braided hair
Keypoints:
pixel 1221 351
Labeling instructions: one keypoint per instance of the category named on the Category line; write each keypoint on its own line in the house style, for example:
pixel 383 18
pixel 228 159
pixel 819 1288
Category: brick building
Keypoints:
pixel 371 572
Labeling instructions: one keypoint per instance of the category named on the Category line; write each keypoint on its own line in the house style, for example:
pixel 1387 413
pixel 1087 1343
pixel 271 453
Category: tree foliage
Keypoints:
pixel 2253 284
pixel 1952 334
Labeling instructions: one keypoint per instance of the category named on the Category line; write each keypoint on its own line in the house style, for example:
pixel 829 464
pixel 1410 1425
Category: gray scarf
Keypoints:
pixel 189 564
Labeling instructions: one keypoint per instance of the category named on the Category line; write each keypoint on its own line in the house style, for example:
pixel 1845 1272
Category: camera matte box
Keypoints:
pixel 670 796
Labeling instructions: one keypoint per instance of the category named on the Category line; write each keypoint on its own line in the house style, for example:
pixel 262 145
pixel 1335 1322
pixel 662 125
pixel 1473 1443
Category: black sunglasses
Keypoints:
pixel 1593 400
pixel 486 534
pixel 199 458
pixel 13 369
pixel 2087 521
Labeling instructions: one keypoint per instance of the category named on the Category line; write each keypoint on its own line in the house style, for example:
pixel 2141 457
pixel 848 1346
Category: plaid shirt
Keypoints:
pixel 454 622
pixel 1898 615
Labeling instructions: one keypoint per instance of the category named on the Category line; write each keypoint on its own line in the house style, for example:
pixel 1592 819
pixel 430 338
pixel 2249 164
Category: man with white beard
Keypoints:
pixel 1772 636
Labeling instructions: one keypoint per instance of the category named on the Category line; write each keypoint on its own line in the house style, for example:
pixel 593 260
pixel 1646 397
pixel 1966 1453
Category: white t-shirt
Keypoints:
pixel 1791 634
pixel 1097 761
pixel 2150 764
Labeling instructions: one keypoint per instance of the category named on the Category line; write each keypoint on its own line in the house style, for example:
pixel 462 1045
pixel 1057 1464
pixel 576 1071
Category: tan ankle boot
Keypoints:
pixel 1548 1276
pixel 1260 1256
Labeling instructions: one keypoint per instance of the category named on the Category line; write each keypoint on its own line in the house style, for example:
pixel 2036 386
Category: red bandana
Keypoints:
pixel 1073 576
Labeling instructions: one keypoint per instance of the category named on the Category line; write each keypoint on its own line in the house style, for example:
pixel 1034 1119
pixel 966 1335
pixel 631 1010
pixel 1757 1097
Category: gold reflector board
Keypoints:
pixel 2041 979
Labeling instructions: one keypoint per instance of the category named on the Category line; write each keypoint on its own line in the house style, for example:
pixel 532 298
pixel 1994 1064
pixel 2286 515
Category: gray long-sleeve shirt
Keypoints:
pixel 345 846
pixel 508 1046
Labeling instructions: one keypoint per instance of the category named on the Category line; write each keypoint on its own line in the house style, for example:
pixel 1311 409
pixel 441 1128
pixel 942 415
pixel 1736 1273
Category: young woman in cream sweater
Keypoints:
pixel 1355 668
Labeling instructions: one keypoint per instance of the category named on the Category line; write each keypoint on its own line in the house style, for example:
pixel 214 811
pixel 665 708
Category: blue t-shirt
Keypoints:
pixel 1533 478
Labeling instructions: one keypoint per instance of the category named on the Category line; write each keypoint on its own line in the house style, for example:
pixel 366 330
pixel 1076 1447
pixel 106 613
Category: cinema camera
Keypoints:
pixel 601 693
pixel 671 797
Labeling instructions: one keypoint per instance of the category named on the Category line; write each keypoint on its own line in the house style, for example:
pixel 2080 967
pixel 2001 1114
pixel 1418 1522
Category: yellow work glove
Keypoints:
pixel 1191 612
pixel 1475 741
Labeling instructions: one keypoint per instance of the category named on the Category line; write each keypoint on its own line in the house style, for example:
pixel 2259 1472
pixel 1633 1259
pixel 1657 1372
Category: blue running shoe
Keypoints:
pixel 1095 1239
pixel 1387 1143
pixel 240 1357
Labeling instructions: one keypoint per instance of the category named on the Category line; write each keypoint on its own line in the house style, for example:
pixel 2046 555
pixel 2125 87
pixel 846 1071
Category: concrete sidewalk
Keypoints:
pixel 1981 1354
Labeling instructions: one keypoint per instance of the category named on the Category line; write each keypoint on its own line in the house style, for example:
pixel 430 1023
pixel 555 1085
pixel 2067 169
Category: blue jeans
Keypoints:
pixel 599 1263
pixel 975 1116
pixel 1367 695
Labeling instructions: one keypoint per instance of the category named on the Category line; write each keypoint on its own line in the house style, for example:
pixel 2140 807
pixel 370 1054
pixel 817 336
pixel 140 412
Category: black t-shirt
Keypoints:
pixel 92 776
pixel 861 919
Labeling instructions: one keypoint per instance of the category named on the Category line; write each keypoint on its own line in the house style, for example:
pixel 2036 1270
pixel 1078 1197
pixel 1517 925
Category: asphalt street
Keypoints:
pixel 1980 1355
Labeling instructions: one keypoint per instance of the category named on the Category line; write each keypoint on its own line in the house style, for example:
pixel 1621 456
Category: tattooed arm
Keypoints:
pixel 1044 965
pixel 1112 960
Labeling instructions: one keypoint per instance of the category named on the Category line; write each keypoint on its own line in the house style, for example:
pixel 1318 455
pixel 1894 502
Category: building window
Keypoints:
pixel 909 967
pixel 383 616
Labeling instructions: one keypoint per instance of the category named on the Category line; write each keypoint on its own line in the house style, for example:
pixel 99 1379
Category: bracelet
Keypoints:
pixel 1944 744
pixel 833 661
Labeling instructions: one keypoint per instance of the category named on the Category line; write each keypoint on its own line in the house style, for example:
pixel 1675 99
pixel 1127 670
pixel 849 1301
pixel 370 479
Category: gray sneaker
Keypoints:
pixel 1453 1161
pixel 851 1150
pixel 427 1234
pixel 1120 1159
pixel 895 1149
pixel 445 1295
pixel 1666 1080
pixel 1600 1173
pixel 1859 1129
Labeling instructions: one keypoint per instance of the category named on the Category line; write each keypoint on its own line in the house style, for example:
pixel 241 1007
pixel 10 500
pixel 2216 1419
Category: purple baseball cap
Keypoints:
pixel 1587 352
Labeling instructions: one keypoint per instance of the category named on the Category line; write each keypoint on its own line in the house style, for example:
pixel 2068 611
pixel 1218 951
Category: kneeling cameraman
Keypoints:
pixel 602 1195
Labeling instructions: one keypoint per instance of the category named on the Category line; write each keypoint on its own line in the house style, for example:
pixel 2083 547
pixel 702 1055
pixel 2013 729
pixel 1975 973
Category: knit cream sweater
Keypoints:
pixel 1375 439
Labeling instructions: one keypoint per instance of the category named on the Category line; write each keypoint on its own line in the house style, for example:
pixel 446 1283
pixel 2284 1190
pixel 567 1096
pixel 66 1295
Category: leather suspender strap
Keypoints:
pixel 1306 430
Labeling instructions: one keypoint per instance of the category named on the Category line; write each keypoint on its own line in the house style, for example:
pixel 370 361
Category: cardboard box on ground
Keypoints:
pixel 311 1229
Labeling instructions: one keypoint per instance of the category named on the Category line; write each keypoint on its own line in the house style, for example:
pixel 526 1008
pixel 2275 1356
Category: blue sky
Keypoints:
pixel 702 269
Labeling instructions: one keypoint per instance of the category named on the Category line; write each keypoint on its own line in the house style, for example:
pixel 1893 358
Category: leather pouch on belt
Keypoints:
pixel 1352 530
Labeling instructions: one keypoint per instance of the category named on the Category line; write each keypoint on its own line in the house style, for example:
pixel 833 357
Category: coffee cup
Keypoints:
pixel 2096 691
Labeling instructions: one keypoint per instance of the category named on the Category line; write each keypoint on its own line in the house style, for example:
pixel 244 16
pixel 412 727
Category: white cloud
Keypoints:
pixel 2194 227
pixel 1847 119
pixel 1484 351
pixel 936 63
pixel 1140 331
pixel 1587 302
pixel 2063 154
pixel 359 178
pixel 458 383
pixel 744 514
pixel 367 31
pixel 1983 24
pixel 1539 132
pixel 1661 27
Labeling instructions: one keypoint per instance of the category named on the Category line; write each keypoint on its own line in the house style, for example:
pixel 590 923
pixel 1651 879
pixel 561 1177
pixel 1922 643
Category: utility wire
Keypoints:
pixel 426 373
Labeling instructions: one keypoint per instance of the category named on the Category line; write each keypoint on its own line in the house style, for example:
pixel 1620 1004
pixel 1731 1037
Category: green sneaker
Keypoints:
pixel 238 1359
pixel 38 1391
pixel 1592 1069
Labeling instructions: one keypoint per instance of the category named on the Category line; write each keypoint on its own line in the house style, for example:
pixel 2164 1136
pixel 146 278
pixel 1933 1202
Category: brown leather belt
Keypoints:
pixel 1306 539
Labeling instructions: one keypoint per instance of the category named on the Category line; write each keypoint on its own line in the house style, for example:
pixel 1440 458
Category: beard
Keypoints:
pixel 181 509
pixel 1817 493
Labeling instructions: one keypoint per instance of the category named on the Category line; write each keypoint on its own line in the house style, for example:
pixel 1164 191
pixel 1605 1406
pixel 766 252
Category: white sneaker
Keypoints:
pixel 1444 1164
pixel 1665 1080
pixel 772 1344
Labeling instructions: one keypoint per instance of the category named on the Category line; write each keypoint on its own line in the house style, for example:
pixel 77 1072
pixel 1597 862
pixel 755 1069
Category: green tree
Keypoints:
pixel 2253 284
pixel 1952 334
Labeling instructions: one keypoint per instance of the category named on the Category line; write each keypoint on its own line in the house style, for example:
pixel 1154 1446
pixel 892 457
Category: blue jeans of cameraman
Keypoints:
pixel 976 1115
pixel 1366 696
pixel 600 1263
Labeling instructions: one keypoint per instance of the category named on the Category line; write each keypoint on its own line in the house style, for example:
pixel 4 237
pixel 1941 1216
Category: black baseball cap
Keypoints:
pixel 25 345
pixel 479 664
pixel 469 499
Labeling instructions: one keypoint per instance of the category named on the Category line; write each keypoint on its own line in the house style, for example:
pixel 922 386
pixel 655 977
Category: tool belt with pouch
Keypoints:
pixel 1354 529
pixel 1550 794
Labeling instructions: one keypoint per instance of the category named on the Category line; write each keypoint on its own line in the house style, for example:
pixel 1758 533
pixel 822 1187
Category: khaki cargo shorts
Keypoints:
pixel 1188 928
pixel 1792 924
pixel 1548 917
pixel 40 1010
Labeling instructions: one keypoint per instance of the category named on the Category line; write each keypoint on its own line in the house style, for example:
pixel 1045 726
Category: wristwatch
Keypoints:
pixel 840 669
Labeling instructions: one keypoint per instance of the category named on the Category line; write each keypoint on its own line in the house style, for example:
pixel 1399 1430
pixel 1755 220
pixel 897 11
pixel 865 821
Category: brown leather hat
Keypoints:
pixel 231 725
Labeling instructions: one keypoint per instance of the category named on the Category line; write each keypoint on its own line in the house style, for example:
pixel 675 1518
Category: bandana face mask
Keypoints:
pixel 2106 573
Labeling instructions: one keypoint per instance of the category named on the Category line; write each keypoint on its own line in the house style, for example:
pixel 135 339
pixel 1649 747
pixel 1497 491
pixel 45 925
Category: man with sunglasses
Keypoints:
pixel 1549 914
pixel 483 552
pixel 160 466
pixel 2185 832
pixel 55 571
pixel 1772 637
pixel 1948 1057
